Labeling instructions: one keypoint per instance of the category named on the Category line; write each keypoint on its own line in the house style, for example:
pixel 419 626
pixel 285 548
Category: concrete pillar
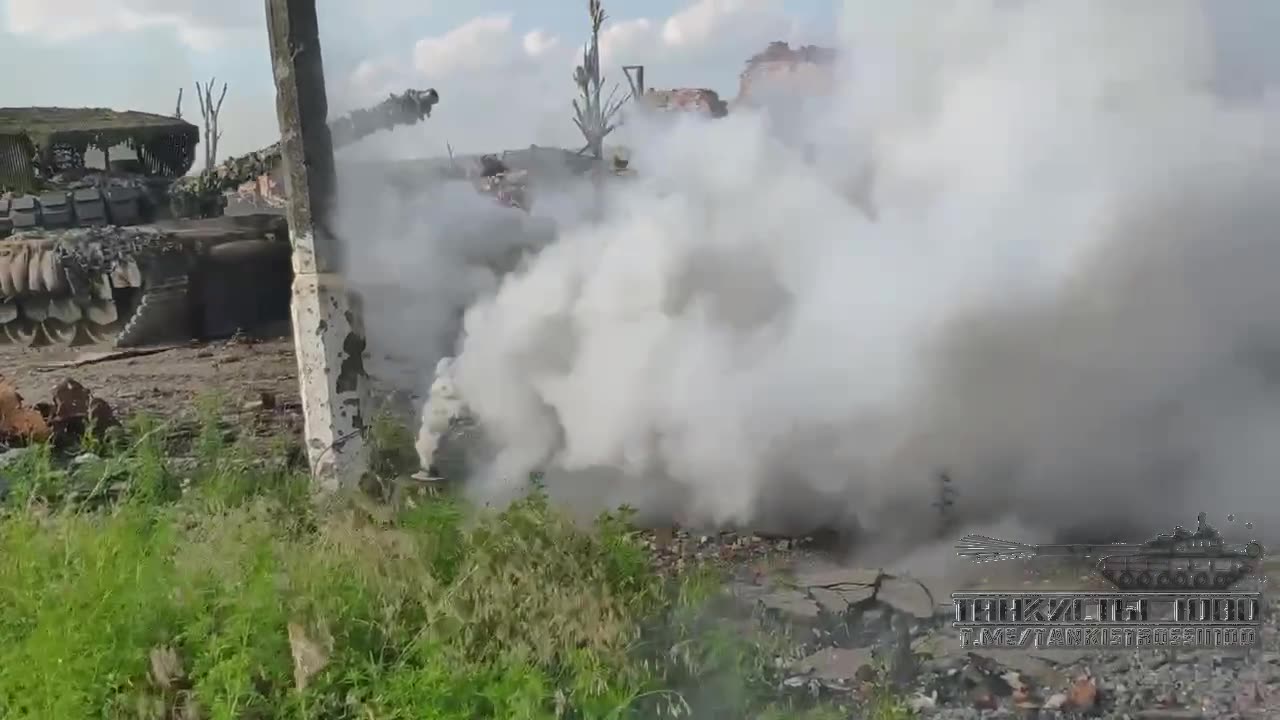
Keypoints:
pixel 327 332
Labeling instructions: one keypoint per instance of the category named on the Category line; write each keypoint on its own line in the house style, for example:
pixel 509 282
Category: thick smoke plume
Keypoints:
pixel 1068 299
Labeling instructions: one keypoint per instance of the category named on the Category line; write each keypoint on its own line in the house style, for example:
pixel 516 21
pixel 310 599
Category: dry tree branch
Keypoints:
pixel 209 112
pixel 595 118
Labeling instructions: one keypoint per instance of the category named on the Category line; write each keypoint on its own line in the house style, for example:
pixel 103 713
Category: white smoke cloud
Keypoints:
pixel 1066 300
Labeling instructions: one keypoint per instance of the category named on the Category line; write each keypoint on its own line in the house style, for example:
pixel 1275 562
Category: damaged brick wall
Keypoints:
pixel 695 100
pixel 808 70
pixel 266 190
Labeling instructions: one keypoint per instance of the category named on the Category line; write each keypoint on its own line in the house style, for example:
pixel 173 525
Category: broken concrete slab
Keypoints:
pixel 842 579
pixel 907 595
pixel 837 664
pixel 837 589
pixel 790 605
pixel 832 601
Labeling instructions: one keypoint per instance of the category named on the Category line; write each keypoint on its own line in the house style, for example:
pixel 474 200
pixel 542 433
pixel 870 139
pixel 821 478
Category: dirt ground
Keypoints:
pixel 164 382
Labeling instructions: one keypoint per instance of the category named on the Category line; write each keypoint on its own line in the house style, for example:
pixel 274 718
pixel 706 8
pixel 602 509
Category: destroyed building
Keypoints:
pixel 693 100
pixel 783 72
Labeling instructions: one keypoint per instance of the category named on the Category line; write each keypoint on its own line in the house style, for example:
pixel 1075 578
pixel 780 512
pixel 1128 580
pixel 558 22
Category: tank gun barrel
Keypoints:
pixel 987 549
pixel 408 108
pixel 1086 550
pixel 199 194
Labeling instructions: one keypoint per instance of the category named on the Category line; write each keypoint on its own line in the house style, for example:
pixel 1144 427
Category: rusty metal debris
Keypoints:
pixel 71 412
pixel 19 424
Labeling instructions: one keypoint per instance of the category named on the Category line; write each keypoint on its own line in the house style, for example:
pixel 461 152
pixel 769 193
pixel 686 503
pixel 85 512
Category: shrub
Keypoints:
pixel 137 585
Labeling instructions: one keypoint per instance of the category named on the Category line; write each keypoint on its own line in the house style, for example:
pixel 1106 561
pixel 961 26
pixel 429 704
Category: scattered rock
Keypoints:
pixel 70 402
pixel 983 699
pixel 846 616
pixel 85 459
pixel 1083 694
pixel 1057 656
pixel 791 605
pixel 920 702
pixel 12 455
pixel 836 665
pixel 101 415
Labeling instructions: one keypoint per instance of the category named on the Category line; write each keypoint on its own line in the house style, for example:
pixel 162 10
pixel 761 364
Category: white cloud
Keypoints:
pixel 479 44
pixel 538 43
pixel 629 37
pixel 703 21
pixel 723 30
pixel 200 25
pixel 505 86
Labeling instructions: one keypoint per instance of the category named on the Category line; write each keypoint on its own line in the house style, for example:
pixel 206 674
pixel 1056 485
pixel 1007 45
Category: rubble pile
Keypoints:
pixel 694 100
pixel 781 70
pixel 866 626
pixel 856 629
pixel 747 555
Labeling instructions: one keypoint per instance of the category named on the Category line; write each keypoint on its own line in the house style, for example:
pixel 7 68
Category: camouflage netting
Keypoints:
pixel 203 194
pixel 36 142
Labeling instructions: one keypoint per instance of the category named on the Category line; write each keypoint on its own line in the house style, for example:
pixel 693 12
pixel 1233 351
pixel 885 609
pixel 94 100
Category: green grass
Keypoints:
pixel 428 610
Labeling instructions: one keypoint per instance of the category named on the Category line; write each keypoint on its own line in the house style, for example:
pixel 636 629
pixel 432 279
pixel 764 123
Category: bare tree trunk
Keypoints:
pixel 209 112
pixel 591 113
pixel 177 108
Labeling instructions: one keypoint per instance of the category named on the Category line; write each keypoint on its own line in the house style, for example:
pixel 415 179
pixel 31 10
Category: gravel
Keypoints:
pixel 856 622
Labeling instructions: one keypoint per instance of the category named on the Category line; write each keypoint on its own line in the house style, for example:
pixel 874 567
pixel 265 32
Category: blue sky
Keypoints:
pixel 136 53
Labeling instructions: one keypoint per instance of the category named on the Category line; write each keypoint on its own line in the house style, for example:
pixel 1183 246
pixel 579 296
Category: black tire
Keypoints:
pixel 1164 580
pixel 1145 580
pixel 1124 581
pixel 1202 580
pixel 1181 579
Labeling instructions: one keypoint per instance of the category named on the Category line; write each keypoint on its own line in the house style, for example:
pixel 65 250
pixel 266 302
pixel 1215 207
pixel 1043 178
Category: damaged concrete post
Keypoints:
pixel 328 335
